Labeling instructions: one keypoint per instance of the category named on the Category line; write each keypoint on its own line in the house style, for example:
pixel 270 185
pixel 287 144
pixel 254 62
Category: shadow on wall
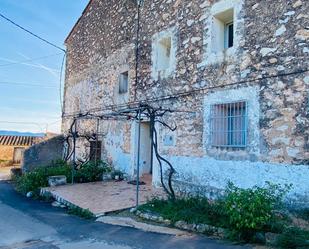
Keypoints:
pixel 42 154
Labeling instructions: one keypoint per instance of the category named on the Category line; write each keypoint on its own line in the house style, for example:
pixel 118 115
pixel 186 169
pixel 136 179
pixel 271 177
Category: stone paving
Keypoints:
pixel 104 197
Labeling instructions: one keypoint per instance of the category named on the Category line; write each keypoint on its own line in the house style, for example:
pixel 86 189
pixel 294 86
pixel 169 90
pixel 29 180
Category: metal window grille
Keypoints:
pixel 123 82
pixel 95 150
pixel 229 125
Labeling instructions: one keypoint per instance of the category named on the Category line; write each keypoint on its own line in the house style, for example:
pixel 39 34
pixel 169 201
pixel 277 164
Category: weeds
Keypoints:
pixel 247 214
pixel 293 238
pixel 83 213
pixel 192 210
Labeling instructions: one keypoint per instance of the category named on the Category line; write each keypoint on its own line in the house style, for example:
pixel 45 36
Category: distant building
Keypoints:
pixel 12 148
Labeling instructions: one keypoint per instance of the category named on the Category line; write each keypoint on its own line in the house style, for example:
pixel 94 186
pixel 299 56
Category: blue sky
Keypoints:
pixel 33 107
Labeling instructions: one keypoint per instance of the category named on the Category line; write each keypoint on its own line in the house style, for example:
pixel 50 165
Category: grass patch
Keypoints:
pixel 192 210
pixel 303 214
pixel 293 238
pixel 83 213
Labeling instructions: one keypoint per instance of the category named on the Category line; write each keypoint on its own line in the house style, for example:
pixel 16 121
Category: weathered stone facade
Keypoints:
pixel 267 67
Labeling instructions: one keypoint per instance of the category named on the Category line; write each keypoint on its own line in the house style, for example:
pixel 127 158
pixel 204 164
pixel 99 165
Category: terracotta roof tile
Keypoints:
pixel 19 140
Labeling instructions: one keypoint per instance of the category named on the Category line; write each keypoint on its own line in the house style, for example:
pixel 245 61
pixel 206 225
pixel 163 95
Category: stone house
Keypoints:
pixel 234 71
pixel 12 148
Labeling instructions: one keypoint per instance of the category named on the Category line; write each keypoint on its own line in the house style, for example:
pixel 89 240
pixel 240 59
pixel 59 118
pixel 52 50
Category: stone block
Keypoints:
pixel 57 180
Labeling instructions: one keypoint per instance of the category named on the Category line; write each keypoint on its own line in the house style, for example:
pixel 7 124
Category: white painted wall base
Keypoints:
pixel 215 174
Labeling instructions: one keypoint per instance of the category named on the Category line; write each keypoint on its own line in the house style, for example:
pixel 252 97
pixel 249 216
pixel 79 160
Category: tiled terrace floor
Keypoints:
pixel 104 197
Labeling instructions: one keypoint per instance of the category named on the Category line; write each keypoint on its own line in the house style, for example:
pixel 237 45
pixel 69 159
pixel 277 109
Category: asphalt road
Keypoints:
pixel 30 224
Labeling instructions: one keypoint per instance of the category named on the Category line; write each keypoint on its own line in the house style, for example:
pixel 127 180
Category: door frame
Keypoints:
pixel 21 158
pixel 134 146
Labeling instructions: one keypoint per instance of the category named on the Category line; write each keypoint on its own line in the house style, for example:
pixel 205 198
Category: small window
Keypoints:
pixel 164 53
pixel 123 82
pixel 229 35
pixel 223 28
pixel 95 151
pixel 229 125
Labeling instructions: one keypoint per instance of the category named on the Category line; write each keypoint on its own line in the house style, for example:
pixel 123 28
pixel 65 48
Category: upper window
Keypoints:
pixel 123 82
pixel 223 30
pixel 229 125
pixel 163 54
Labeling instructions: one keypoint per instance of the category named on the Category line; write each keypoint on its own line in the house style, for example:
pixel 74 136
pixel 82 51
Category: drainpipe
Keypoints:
pixel 96 143
pixel 139 4
pixel 138 156
pixel 152 123
pixel 74 151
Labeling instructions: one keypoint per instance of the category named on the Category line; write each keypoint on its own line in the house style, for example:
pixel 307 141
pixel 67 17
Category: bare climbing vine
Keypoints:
pixel 154 115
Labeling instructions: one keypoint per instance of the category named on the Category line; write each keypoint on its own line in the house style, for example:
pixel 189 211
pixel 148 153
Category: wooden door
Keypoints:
pixel 18 155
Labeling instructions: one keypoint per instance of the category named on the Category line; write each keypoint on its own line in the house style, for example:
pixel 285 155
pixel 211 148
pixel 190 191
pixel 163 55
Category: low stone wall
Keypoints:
pixel 43 154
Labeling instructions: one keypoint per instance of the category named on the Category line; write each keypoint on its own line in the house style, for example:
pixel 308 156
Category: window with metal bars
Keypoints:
pixel 229 125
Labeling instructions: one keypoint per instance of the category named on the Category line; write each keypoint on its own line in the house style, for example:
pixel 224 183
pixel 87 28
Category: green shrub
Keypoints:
pixel 252 210
pixel 34 180
pixel 293 238
pixel 91 172
pixel 38 178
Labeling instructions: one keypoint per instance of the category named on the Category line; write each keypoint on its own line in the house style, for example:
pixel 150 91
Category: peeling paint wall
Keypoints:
pixel 265 66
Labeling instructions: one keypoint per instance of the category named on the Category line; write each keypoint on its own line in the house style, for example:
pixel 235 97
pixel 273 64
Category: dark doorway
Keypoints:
pixel 95 150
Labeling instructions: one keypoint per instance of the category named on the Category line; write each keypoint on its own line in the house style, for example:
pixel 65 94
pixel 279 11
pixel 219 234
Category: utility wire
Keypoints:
pixel 18 122
pixel 39 124
pixel 186 93
pixel 60 83
pixel 26 84
pixel 31 33
pixel 30 60
pixel 22 122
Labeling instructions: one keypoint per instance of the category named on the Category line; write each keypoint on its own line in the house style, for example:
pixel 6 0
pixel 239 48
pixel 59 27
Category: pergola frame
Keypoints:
pixel 137 113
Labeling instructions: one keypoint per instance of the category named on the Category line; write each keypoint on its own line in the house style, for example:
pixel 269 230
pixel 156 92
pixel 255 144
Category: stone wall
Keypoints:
pixel 42 154
pixel 6 152
pixel 268 62
pixel 6 155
